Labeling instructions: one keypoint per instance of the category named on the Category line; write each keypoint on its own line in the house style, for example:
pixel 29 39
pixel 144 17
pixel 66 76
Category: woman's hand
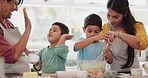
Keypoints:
pixel 110 36
pixel 27 20
pixel 114 34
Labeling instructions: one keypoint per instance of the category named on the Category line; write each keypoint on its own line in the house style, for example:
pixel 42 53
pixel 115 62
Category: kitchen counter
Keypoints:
pixel 13 75
pixel 144 76
pixel 17 75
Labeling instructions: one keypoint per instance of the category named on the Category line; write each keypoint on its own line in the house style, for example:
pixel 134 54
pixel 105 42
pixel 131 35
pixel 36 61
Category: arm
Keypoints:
pixel 61 49
pixel 138 41
pixel 38 66
pixel 131 40
pixel 82 44
pixel 28 52
pixel 63 38
pixel 21 45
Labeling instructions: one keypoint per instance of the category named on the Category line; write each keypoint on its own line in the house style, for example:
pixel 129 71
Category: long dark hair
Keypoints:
pixel 20 2
pixel 122 7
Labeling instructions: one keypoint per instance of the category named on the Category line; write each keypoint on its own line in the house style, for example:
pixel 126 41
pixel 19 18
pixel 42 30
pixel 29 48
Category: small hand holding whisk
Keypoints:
pixel 99 58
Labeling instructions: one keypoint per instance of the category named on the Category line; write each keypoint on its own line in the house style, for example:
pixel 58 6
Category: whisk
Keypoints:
pixel 100 56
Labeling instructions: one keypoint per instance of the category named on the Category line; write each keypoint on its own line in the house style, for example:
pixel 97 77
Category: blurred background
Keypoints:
pixel 43 13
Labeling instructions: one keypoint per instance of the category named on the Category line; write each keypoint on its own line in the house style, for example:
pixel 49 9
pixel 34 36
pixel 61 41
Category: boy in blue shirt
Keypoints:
pixel 90 48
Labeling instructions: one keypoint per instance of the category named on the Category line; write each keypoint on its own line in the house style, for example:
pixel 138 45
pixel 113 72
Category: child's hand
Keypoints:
pixel 38 65
pixel 100 37
pixel 67 36
pixel 106 50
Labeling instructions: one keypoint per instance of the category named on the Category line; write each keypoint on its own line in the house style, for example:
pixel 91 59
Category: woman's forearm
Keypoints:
pixel 21 45
pixel 131 40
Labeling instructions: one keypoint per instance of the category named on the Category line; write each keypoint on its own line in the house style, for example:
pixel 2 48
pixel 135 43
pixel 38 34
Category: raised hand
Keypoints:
pixel 27 20
pixel 67 36
pixel 63 38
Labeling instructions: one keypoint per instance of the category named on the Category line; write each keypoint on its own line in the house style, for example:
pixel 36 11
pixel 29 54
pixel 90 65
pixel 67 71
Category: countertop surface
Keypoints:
pixel 17 75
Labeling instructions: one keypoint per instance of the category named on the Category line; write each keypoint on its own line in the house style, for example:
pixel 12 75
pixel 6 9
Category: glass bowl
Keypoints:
pixel 145 66
pixel 92 65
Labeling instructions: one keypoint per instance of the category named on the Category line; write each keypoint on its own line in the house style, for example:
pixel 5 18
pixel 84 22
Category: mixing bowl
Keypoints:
pixel 145 66
pixel 92 65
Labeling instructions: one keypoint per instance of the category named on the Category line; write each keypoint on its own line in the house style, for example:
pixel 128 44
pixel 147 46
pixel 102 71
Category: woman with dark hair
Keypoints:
pixel 129 36
pixel 12 43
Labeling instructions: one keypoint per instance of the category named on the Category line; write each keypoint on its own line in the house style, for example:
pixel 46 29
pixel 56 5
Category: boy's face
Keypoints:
pixel 91 30
pixel 54 34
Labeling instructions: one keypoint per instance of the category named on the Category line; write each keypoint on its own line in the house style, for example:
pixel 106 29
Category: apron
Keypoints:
pixel 21 66
pixel 118 50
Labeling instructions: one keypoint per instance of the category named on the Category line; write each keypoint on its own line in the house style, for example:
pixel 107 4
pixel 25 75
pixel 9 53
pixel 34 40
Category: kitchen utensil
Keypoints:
pixel 99 58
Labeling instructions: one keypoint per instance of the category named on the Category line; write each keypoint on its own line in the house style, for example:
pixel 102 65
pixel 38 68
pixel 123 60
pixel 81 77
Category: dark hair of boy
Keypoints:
pixel 93 19
pixel 63 27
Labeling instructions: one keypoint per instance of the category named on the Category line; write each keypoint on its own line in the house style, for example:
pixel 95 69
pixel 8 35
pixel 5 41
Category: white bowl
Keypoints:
pixel 145 66
pixel 92 66
pixel 136 71
pixel 33 58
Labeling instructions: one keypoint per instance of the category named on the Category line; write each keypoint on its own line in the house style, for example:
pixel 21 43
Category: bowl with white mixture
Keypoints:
pixel 145 66
pixel 92 65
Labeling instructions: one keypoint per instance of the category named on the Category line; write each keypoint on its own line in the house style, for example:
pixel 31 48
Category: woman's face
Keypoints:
pixel 54 34
pixel 9 7
pixel 91 30
pixel 114 18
